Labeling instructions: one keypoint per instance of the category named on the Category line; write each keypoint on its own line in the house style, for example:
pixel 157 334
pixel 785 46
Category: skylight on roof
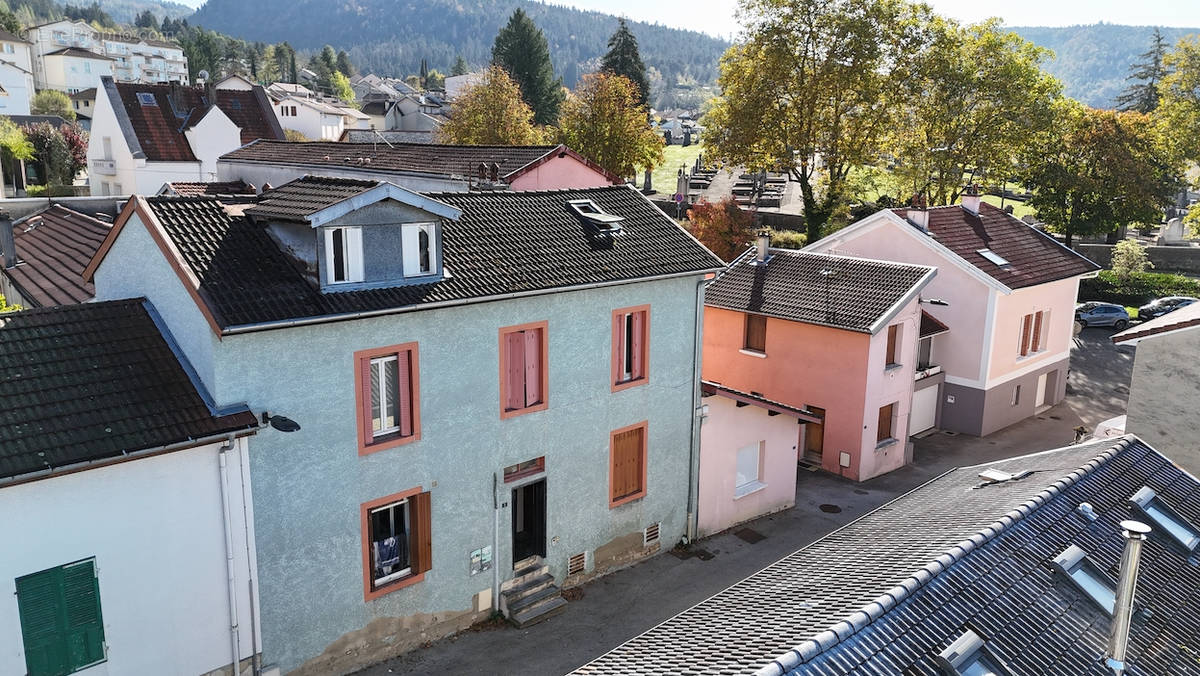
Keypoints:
pixel 969 655
pixel 1166 519
pixel 993 257
pixel 147 99
pixel 597 220
pixel 1087 577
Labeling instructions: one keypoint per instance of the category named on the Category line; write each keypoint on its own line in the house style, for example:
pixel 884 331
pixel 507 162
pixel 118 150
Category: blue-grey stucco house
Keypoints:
pixel 496 393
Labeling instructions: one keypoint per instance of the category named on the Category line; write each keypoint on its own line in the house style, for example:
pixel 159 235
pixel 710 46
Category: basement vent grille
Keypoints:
pixel 650 535
pixel 577 563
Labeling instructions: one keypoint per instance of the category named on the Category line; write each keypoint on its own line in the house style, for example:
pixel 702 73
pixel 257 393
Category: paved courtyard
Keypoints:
pixel 619 606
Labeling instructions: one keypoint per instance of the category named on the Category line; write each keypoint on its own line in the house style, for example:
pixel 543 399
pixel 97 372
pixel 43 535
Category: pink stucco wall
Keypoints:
pixel 1058 298
pixel 890 386
pixel 727 429
pixel 560 173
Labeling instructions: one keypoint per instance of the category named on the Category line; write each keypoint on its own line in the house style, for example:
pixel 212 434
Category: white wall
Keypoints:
pixel 156 529
pixel 210 138
pixel 18 86
pixel 73 74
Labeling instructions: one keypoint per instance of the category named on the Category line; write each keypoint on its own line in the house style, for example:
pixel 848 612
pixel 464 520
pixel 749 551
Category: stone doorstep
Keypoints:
pixel 514 595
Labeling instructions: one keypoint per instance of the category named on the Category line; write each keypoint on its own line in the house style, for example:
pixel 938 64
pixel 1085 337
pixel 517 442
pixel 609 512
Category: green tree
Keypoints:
pixel 146 19
pixel 268 66
pixel 979 97
pixel 435 80
pixel 13 141
pixel 52 102
pixel 424 74
pixel 1094 171
pixel 722 227
pixel 1129 259
pixel 491 113
pixel 603 120
pixel 10 22
pixel 460 66
pixel 811 90
pixel 343 64
pixel 623 59
pixel 5 307
pixel 521 49
pixel 1179 98
pixel 1144 75
pixel 340 85
pixel 52 153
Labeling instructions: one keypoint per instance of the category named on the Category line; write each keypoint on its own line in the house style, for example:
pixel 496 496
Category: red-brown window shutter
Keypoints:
pixel 1026 329
pixel 404 386
pixel 367 430
pixel 533 367
pixel 756 333
pixel 884 430
pixel 420 542
pixel 638 342
pixel 628 458
pixel 891 343
pixel 1036 342
pixel 514 382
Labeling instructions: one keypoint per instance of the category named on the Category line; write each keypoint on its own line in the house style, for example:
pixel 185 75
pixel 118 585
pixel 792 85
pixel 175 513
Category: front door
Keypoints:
pixel 529 521
pixel 814 436
pixel 1041 391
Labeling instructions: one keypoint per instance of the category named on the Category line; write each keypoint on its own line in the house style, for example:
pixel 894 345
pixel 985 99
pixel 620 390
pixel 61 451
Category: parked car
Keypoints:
pixel 1095 313
pixel 1161 306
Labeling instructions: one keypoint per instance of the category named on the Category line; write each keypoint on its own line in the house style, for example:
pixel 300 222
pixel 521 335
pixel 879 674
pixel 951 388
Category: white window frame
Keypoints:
pixel 376 583
pixel 627 347
pixel 352 255
pixel 749 485
pixel 378 366
pixel 410 234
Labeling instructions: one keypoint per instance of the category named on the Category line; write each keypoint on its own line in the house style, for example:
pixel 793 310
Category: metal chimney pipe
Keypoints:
pixel 8 246
pixel 764 243
pixel 1118 639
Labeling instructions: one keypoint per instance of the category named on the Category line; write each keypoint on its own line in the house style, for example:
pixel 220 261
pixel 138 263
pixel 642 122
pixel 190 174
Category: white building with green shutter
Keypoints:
pixel 124 502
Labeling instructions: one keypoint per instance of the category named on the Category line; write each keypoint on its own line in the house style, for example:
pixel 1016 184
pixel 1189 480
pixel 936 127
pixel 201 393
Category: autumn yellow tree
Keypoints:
pixel 492 113
pixel 603 121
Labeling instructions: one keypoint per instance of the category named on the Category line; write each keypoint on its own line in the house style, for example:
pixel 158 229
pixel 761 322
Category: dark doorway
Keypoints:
pixel 529 521
pixel 814 436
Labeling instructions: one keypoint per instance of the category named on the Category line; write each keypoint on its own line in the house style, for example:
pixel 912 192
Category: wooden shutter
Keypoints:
pixel 81 600
pixel 884 430
pixel 514 372
pixel 891 343
pixel 1035 343
pixel 404 388
pixel 756 333
pixel 618 347
pixel 42 622
pixel 1026 326
pixel 366 428
pixel 628 458
pixel 533 366
pixel 420 537
pixel 638 346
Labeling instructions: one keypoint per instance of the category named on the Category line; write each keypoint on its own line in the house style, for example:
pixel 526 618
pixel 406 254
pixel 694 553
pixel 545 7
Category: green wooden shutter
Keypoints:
pixel 84 626
pixel 40 608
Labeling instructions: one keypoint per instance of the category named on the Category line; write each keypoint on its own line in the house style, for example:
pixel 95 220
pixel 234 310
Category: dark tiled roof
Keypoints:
pixel 79 52
pixel 1035 258
pixel 393 137
pixel 838 291
pixel 159 128
pixel 429 158
pixel 305 196
pixel 88 94
pixel 505 242
pixel 1034 620
pixel 805 594
pixel 10 37
pixel 930 326
pixel 193 188
pixel 25 120
pixel 1185 317
pixel 93 381
pixel 54 246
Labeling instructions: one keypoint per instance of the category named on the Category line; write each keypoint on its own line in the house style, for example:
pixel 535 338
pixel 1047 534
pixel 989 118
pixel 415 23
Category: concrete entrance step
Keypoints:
pixel 531 586
pixel 540 612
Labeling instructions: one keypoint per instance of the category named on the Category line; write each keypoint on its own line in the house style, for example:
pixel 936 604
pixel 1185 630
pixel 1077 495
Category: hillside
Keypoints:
pixel 124 11
pixel 1093 61
pixel 390 37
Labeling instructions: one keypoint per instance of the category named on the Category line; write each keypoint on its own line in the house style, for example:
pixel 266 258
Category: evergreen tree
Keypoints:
pixel 343 64
pixel 521 49
pixel 10 22
pixel 1142 93
pixel 623 59
pixel 146 19
pixel 424 75
pixel 460 66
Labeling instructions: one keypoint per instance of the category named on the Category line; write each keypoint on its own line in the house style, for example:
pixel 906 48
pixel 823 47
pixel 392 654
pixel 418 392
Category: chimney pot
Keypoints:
pixel 971 199
pixel 1135 533
pixel 8 247
pixel 763 244
pixel 917 214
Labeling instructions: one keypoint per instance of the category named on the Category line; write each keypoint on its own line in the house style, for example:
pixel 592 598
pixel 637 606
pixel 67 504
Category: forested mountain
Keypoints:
pixel 122 11
pixel 1093 61
pixel 391 37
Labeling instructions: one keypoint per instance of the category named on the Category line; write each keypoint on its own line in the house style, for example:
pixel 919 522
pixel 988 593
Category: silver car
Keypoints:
pixel 1095 313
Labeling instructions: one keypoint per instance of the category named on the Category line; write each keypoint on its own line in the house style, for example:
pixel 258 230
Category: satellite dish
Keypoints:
pixel 203 75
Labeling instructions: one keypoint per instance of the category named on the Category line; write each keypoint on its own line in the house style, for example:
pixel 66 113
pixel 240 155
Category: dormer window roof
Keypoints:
pixel 1087 577
pixel 969 655
pixel 1165 519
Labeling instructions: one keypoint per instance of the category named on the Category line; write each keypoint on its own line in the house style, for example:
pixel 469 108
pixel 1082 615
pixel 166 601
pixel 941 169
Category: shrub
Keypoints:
pixel 35 190
pixel 1138 289
pixel 1129 258
pixel 788 239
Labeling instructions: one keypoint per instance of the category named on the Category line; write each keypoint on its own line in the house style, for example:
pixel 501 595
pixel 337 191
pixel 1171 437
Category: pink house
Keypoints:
pixel 806 357
pixel 1005 291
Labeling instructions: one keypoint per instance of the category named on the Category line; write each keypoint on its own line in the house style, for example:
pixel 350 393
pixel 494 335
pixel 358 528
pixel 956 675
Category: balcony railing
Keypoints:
pixel 926 370
pixel 107 167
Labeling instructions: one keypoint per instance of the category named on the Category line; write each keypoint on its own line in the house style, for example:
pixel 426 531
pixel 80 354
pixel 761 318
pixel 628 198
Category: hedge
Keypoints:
pixel 788 239
pixel 1138 290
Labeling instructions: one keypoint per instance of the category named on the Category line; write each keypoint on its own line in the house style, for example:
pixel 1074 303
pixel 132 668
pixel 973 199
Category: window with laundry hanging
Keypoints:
pixel 630 347
pixel 387 394
pixel 397 540
pixel 524 372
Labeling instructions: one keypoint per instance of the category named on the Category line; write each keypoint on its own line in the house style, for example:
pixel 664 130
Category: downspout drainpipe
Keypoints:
pixel 694 447
pixel 495 543
pixel 235 643
pixel 251 560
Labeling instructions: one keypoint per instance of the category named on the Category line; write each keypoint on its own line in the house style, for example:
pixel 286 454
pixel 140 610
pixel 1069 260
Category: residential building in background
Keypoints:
pixel 72 56
pixel 316 119
pixel 16 74
pixel 490 390
pixel 416 166
pixel 144 135
pixel 84 104
pixel 807 357
pixel 51 248
pixel 1006 292
pixel 129 496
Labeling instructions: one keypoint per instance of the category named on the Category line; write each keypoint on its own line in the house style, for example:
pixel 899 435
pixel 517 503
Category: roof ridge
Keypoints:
pixel 871 612
pixel 865 259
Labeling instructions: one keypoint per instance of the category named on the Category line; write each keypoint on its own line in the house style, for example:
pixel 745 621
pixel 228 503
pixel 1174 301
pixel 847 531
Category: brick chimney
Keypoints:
pixel 918 215
pixel 970 199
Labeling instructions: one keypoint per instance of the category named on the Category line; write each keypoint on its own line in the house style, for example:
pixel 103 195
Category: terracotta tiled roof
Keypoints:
pixel 930 326
pixel 837 291
pixel 1033 257
pixel 488 251
pixel 88 382
pixel 159 126
pixel 54 246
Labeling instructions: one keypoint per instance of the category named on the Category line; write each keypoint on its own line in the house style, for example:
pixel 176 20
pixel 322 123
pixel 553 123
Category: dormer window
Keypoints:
pixel 969 655
pixel 343 255
pixel 420 249
pixel 596 220
pixel 1165 518
pixel 147 99
pixel 1087 577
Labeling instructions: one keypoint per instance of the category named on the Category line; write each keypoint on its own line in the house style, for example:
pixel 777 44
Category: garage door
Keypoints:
pixel 924 410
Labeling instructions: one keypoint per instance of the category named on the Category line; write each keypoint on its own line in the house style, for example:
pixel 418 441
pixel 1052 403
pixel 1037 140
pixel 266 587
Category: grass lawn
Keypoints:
pixel 674 156
pixel 1020 209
